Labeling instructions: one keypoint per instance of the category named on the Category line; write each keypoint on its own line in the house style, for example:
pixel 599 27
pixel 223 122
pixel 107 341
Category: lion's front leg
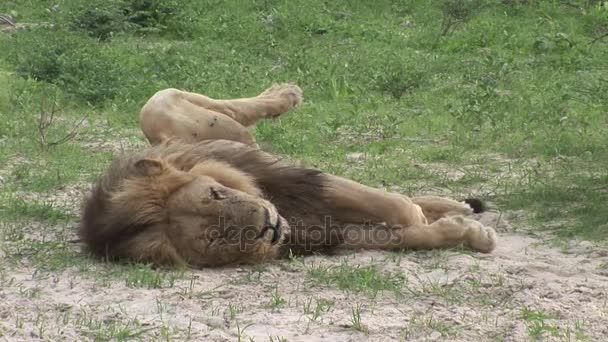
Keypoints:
pixel 449 232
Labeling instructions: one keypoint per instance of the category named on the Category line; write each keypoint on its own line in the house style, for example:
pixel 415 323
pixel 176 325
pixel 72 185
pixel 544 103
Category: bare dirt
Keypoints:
pixel 525 290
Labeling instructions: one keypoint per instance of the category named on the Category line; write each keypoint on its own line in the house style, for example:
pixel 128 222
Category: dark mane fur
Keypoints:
pixel 100 228
pixel 298 193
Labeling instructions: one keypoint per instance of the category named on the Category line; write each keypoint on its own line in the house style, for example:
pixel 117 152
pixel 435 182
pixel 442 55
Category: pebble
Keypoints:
pixel 435 336
pixel 213 322
pixel 355 157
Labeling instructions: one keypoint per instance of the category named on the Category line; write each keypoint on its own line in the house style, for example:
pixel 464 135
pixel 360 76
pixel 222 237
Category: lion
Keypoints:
pixel 205 195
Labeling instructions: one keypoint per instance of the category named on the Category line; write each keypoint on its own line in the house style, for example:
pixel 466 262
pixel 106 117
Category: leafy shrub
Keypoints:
pixel 150 15
pixel 35 53
pixel 90 74
pixel 398 81
pixel 456 12
pixel 595 21
pixel 108 18
pixel 75 63
pixel 101 22
pixel 397 75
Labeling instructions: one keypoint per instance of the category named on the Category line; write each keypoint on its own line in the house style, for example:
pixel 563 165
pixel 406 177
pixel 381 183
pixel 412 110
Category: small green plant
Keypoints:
pixel 321 306
pixel 276 300
pixel 33 292
pixel 233 311
pixel 537 325
pixel 355 319
pixel 457 12
pixel 240 331
pixel 398 77
pixel 439 326
pixel 251 276
pixel 425 324
pixel 160 308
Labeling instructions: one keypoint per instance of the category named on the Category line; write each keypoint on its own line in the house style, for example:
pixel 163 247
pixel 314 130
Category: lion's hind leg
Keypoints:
pixel 274 101
pixel 168 114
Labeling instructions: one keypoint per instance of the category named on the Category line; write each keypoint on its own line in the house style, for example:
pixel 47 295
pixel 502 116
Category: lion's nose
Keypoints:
pixel 272 221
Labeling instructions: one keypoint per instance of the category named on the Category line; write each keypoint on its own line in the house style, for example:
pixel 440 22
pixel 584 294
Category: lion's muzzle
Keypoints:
pixel 273 223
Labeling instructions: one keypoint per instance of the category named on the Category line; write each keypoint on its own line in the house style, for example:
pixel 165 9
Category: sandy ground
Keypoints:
pixel 525 290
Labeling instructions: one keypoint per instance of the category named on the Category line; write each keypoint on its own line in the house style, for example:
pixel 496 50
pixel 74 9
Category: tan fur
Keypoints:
pixel 435 207
pixel 193 117
pixel 205 195
pixel 227 176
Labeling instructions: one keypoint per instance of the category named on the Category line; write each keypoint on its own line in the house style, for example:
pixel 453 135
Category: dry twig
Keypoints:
pixel 46 119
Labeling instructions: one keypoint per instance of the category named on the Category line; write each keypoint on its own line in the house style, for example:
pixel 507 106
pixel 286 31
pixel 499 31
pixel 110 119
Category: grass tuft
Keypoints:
pixel 358 279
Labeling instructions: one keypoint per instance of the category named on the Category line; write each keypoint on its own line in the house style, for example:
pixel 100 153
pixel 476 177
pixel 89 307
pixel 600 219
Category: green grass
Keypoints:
pixel 514 96
pixel 144 276
pixel 321 306
pixel 276 300
pixel 16 208
pixel 425 324
pixel 358 279
pixel 537 326
pixel 355 319
pixel 109 330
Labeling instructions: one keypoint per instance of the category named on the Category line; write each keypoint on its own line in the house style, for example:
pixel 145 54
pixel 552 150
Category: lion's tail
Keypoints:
pixel 476 204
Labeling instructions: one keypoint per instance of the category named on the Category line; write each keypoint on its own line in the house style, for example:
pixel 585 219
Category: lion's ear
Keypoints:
pixel 149 167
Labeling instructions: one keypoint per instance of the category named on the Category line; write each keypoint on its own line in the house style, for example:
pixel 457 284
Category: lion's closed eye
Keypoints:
pixel 216 194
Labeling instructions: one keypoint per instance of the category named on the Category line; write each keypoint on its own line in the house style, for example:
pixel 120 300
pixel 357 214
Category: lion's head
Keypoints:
pixel 198 213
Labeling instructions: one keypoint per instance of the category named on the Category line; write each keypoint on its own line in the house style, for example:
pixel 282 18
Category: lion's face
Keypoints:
pixel 175 208
pixel 221 224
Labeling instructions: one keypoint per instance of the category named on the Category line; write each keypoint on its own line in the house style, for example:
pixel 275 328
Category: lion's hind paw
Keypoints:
pixel 288 92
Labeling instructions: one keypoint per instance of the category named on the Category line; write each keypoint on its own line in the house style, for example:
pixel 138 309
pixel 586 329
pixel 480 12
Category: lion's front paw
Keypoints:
pixel 290 96
pixel 480 237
